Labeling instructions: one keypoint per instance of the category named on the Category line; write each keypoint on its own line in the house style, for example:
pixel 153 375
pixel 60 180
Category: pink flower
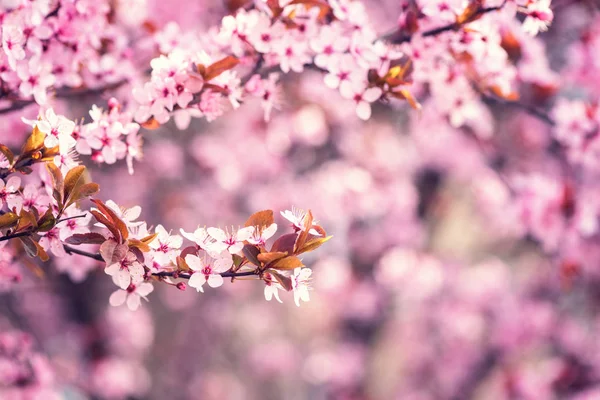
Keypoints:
pixel 328 44
pixel 36 77
pixel 208 270
pixel 260 236
pixel 164 246
pixel 292 54
pixel 58 130
pixel 128 215
pixel 342 69
pixel 271 288
pixel 300 285
pixel 231 241
pixel 9 192
pixel 50 241
pixel 200 236
pixel 296 216
pixel 13 42
pixel 34 198
pixel 126 271
pixel 72 226
pixel 132 295
pixel 539 17
pixel 363 96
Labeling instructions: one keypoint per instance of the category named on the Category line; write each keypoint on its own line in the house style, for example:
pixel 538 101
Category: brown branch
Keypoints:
pixel 72 250
pixel 529 109
pixel 185 275
pixel 64 93
pixel 14 236
pixel 397 38
pixel 173 274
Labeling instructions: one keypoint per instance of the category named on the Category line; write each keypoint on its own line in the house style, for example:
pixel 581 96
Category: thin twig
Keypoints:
pixel 65 93
pixel 68 218
pixel 396 39
pixel 14 236
pixel 72 250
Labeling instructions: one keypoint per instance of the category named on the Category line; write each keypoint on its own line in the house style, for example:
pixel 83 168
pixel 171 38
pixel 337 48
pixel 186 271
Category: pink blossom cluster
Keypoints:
pixel 25 373
pixel 60 44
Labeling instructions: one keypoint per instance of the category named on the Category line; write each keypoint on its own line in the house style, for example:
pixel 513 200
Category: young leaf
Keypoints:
pixel 85 238
pixel 73 180
pixel 267 258
pixel 116 221
pixel 113 252
pixel 139 244
pixel 303 235
pixel 285 281
pixel 7 153
pixel 108 224
pixel 34 142
pixel 251 252
pixel 47 221
pixel 8 219
pixel 262 219
pixel 82 191
pixel 313 244
pixel 287 263
pixel 57 183
pixel 285 243
pixel 220 66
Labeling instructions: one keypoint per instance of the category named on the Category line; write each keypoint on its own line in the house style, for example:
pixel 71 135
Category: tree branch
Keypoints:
pixel 14 236
pixel 64 93
pixel 396 38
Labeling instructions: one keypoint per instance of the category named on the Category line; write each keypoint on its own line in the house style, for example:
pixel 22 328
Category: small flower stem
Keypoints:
pixel 71 250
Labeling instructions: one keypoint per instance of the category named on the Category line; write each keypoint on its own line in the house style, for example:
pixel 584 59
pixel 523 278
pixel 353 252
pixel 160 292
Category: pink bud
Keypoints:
pixel 181 286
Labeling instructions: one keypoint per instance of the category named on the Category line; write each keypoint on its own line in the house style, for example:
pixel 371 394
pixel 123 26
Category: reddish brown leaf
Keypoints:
pixel 7 153
pixel 283 280
pixel 287 263
pixel 151 124
pixel 252 252
pixel 303 235
pixel 267 258
pixel 262 219
pixel 314 244
pixel 85 238
pixel 216 69
pixel 285 243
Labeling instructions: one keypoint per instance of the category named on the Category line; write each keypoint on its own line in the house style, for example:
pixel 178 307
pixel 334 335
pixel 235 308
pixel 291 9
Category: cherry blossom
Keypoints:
pixel 207 270
pixel 231 241
pixel 300 284
pixel 362 96
pixel 58 130
pixel 132 295
pixel 165 245
pixel 296 216
pixel 9 192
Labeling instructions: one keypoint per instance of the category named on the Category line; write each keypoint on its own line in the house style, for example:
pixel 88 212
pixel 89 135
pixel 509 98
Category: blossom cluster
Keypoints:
pixel 45 216
pixel 60 44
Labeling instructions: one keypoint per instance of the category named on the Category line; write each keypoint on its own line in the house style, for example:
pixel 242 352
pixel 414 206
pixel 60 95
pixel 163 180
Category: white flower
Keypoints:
pixel 271 288
pixel 300 287
pixel 126 272
pixel 232 242
pixel 260 236
pixel 132 295
pixel 164 245
pixel 296 216
pixel 58 130
pixel 208 270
